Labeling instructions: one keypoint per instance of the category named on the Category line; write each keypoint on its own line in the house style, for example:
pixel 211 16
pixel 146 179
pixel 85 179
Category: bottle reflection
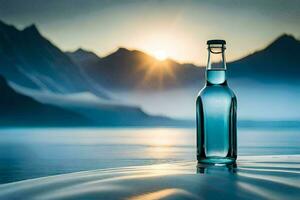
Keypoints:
pixel 215 169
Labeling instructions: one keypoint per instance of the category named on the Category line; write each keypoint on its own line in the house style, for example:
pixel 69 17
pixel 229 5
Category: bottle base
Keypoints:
pixel 217 160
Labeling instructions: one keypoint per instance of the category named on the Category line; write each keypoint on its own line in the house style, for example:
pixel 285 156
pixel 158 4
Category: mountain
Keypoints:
pixel 132 69
pixel 279 62
pixel 30 60
pixel 83 57
pixel 20 110
pixel 267 75
pixel 32 63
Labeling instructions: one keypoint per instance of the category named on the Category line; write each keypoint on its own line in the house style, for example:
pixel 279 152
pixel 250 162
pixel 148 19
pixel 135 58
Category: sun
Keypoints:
pixel 160 55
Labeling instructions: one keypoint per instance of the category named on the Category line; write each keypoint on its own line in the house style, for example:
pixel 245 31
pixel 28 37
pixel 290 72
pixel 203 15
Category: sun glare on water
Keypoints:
pixel 160 55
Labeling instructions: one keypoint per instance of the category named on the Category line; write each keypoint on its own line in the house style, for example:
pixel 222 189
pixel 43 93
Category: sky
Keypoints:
pixel 165 28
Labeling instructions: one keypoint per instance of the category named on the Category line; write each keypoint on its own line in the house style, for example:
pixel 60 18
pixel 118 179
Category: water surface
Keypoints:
pixel 255 177
pixel 32 153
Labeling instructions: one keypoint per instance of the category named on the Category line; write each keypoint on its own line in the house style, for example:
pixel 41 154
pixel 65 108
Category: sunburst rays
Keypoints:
pixel 157 74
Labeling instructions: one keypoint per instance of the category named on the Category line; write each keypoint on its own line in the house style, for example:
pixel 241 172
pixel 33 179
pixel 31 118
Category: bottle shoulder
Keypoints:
pixel 216 90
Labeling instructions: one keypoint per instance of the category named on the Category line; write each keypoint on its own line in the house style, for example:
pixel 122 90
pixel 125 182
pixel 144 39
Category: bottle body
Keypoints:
pixel 216 119
pixel 216 122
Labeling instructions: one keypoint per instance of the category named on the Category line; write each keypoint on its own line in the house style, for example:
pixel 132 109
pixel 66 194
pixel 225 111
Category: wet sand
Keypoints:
pixel 254 177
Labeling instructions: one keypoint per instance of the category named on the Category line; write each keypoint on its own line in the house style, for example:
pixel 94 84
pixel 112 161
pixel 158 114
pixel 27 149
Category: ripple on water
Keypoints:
pixel 255 177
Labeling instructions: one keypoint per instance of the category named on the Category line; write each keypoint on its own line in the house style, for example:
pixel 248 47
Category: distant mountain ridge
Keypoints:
pixel 28 59
pixel 279 61
pixel 83 56
pixel 132 69
pixel 266 82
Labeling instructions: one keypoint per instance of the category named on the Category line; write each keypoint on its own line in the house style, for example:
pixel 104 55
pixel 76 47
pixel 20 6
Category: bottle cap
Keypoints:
pixel 209 42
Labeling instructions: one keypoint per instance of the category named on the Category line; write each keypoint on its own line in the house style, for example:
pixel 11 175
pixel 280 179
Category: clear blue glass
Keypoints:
pixel 216 119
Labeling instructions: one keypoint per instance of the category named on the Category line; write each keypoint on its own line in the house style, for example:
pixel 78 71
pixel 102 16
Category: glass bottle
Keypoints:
pixel 216 111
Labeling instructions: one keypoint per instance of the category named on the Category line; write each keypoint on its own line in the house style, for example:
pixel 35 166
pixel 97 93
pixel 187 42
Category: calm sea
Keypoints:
pixel 37 152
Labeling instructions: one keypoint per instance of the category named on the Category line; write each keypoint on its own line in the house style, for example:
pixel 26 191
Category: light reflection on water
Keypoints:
pixel 30 153
pixel 164 193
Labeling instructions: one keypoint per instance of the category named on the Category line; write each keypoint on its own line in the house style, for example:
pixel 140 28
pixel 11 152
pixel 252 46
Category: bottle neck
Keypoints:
pixel 216 65
pixel 216 58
